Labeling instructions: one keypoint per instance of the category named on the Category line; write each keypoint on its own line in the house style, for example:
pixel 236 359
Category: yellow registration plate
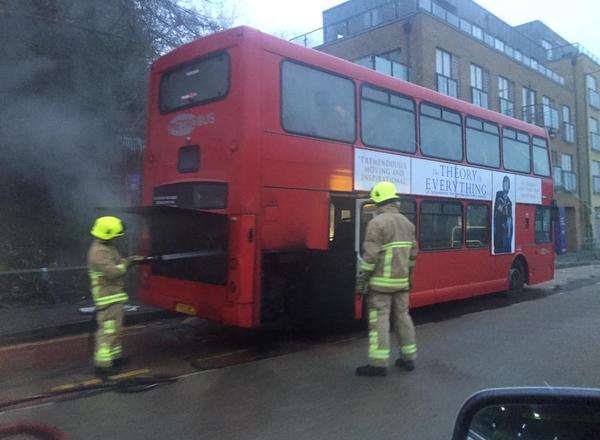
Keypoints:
pixel 184 308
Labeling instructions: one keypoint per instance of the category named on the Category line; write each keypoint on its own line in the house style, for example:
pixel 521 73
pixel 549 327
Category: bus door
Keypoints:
pixel 333 272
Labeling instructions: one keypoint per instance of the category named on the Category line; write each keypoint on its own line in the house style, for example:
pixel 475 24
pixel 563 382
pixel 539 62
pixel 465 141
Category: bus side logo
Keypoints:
pixel 182 125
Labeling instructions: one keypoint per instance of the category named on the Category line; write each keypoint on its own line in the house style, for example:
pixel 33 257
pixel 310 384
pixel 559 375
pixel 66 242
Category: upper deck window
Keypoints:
pixel 541 161
pixel 317 103
pixel 387 120
pixel 441 133
pixel 195 83
pixel 516 151
pixel 483 143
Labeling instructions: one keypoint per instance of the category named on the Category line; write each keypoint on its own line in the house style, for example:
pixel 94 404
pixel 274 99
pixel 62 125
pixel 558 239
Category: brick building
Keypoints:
pixel 461 49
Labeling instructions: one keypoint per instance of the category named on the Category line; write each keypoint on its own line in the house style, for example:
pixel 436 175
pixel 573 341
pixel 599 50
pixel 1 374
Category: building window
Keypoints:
pixel 479 86
pixel 568 127
pixel 506 96
pixel 548 46
pixel 516 151
pixel 446 70
pixel 550 114
pixel 477 32
pixel 388 63
pixel 529 99
pixel 387 120
pixel 593 95
pixel 569 178
pixel 483 143
pixel 543 224
pixel 594 133
pixel 478 225
pixel 440 225
pixel 596 176
pixel 499 44
pixel 441 133
pixel 317 103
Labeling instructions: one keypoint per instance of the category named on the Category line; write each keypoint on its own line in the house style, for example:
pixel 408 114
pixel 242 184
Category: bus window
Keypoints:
pixel 195 83
pixel 341 223
pixel 543 224
pixel 541 163
pixel 440 225
pixel 478 225
pixel 441 133
pixel 387 120
pixel 516 152
pixel 316 103
pixel 483 143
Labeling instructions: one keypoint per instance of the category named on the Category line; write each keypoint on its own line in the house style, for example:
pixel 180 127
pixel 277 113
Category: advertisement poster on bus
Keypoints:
pixel 503 217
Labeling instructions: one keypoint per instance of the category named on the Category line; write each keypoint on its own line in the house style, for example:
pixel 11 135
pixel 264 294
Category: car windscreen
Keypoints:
pixel 195 83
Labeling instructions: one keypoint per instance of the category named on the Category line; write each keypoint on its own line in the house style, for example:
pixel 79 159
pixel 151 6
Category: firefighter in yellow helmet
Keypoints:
pixel 107 271
pixel 385 272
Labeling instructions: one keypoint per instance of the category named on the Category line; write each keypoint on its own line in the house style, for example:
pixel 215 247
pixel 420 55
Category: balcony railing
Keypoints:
pixel 479 97
pixel 530 114
pixel 595 141
pixel 506 106
pixel 550 117
pixel 568 132
pixel 570 181
pixel 447 86
pixel 396 10
pixel 594 98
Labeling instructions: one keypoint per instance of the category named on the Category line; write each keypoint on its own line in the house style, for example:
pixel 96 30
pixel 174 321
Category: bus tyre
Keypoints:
pixel 516 276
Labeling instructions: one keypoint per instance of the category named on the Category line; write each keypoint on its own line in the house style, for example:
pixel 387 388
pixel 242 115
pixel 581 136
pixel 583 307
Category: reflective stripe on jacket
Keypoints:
pixel 390 250
pixel 107 271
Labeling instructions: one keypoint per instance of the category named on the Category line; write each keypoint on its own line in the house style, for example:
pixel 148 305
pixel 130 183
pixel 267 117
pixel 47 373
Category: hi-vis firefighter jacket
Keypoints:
pixel 107 271
pixel 390 250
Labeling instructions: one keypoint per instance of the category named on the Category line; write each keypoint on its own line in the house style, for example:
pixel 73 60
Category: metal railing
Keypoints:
pixel 568 132
pixel 595 141
pixel 479 97
pixel 447 85
pixel 550 117
pixel 530 114
pixel 507 107
pixel 594 98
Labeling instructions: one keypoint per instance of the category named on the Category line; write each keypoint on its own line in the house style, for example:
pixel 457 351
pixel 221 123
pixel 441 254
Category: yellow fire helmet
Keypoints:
pixel 107 228
pixel 384 191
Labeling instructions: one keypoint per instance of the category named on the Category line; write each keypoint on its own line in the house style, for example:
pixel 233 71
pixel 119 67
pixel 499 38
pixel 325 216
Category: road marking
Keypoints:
pixel 91 382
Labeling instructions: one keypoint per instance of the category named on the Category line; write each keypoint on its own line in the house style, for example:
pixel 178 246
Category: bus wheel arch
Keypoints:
pixel 518 274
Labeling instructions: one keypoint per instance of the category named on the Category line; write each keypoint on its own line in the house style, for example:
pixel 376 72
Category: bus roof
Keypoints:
pixel 228 38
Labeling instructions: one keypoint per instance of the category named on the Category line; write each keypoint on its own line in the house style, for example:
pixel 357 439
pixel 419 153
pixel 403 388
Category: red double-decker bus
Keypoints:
pixel 260 155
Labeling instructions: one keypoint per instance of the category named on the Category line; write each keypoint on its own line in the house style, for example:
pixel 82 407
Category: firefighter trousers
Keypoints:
pixel 109 322
pixel 380 306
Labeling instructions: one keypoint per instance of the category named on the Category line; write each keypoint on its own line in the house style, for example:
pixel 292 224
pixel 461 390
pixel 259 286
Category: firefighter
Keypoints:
pixel 385 272
pixel 107 271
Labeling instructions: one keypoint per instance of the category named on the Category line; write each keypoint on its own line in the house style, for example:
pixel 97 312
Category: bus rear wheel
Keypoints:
pixel 516 276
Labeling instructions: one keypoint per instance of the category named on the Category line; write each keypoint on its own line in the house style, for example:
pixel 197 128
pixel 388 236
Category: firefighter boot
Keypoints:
pixel 371 371
pixel 121 362
pixel 405 364
pixel 104 373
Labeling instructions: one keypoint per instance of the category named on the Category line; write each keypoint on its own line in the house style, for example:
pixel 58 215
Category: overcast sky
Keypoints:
pixel 575 20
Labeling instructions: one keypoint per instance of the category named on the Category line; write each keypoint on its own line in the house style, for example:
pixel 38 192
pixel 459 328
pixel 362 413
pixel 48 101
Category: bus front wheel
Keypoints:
pixel 516 276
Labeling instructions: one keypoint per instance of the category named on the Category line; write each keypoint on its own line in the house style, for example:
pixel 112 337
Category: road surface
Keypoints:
pixel 542 337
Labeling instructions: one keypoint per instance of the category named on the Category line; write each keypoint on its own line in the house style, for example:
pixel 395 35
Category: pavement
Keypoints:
pixel 544 336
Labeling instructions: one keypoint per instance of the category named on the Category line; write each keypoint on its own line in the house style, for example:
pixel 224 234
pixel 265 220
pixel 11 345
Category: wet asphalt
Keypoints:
pixel 546 336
